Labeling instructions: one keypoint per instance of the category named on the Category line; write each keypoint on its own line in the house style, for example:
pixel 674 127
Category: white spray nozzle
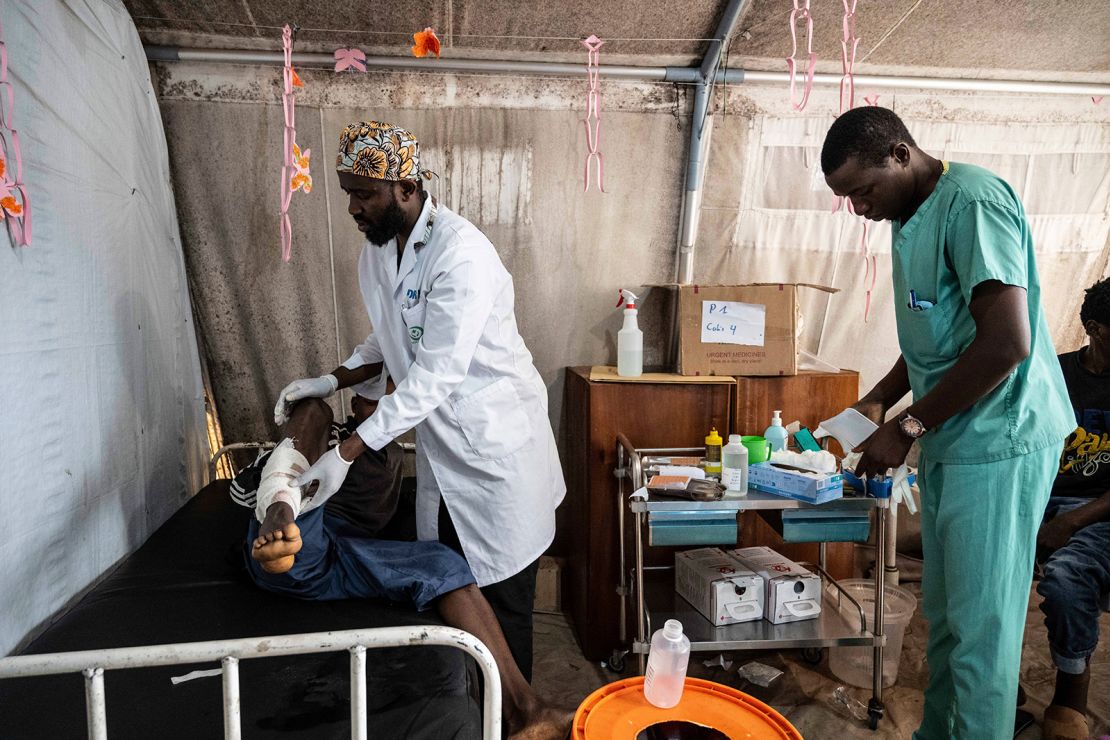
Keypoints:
pixel 627 299
pixel 776 419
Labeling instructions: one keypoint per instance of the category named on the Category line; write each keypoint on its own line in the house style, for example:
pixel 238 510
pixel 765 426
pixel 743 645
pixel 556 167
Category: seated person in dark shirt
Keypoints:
pixel 1074 540
pixel 331 550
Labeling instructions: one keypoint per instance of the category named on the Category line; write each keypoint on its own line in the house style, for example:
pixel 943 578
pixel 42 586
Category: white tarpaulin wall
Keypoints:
pixel 784 227
pixel 101 407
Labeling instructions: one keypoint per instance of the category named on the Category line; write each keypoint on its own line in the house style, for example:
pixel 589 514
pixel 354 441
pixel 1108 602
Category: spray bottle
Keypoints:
pixel 630 340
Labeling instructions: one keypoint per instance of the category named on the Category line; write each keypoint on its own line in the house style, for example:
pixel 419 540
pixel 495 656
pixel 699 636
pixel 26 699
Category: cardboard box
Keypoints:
pixel 793 594
pixel 738 329
pixel 795 483
pixel 718 586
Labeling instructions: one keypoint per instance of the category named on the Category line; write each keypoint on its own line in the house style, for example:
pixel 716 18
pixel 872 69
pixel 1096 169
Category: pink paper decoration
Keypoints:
pixel 848 45
pixel 294 167
pixel 352 59
pixel 801 10
pixel 871 99
pixel 592 121
pixel 15 203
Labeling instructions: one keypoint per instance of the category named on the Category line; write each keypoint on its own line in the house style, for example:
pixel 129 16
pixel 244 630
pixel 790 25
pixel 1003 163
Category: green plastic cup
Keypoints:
pixel 759 448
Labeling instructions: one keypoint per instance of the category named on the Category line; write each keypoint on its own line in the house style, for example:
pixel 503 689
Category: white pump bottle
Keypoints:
pixel 630 340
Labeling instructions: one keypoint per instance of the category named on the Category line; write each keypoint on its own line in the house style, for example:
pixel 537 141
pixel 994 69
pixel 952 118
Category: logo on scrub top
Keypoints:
pixel 415 333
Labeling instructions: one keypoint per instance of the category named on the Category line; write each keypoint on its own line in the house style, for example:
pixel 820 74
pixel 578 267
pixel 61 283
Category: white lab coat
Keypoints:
pixel 445 327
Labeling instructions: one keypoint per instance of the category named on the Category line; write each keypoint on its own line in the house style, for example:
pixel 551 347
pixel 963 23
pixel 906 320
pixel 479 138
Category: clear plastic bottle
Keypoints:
pixel 713 444
pixel 666 668
pixel 734 467
pixel 630 340
pixel 776 434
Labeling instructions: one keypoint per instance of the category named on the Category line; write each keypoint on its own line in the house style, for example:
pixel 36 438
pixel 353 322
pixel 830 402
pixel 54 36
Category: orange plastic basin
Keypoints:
pixel 619 711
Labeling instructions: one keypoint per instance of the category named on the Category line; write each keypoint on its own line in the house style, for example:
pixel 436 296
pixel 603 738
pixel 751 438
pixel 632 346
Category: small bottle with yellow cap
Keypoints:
pixel 713 445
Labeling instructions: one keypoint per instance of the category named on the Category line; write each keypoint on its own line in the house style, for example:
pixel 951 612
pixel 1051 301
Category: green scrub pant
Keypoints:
pixel 978 534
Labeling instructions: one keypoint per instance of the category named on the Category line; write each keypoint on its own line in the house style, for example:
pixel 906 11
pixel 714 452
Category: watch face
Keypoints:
pixel 912 427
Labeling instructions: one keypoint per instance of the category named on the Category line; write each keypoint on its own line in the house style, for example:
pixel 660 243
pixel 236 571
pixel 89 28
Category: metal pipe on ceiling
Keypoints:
pixel 732 76
pixel 701 128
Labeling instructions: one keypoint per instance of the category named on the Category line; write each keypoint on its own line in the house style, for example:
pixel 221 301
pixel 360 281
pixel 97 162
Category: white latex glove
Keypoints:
pixel 329 471
pixel 321 387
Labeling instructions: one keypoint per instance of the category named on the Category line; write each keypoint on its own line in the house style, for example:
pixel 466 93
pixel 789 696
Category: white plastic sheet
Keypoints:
pixel 102 431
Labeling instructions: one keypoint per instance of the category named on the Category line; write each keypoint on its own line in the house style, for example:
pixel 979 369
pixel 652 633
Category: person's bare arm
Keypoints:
pixel 1002 341
pixel 1056 532
pixel 361 374
pixel 887 392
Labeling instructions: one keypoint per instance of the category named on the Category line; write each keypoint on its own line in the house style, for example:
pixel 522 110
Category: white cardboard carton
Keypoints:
pixel 718 586
pixel 793 593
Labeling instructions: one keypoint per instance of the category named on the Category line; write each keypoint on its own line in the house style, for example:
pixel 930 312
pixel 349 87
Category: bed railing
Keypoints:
pixel 93 663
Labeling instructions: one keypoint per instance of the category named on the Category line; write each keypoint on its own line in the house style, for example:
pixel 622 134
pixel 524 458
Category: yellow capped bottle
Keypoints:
pixel 713 452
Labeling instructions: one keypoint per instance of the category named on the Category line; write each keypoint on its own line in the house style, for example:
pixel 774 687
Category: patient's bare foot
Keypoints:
pixel 546 723
pixel 278 540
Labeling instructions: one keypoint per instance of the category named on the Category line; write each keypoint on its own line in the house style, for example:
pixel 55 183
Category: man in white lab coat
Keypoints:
pixel 444 328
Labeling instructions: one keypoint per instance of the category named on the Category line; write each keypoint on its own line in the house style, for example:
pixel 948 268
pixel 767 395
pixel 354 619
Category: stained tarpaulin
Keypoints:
pixel 102 431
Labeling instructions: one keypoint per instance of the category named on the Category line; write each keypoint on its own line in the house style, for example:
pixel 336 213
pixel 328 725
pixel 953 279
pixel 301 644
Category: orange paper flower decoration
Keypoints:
pixel 302 179
pixel 297 81
pixel 426 43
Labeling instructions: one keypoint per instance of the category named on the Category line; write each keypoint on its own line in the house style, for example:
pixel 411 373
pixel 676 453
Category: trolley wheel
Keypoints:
pixel 874 713
pixel 811 655
pixel 616 660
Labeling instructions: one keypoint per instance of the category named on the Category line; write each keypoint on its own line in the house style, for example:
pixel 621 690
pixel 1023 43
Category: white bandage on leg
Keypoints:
pixel 284 465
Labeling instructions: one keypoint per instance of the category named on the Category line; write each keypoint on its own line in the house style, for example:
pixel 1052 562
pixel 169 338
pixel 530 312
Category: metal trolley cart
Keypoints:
pixel 655 601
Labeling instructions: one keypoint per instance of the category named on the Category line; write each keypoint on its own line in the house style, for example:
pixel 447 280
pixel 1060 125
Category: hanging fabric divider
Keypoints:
pixel 592 122
pixel 16 212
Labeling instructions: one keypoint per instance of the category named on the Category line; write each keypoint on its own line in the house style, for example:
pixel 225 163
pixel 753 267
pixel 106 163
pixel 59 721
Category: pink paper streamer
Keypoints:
pixel 801 10
pixel 871 99
pixel 352 59
pixel 19 227
pixel 592 121
pixel 288 167
pixel 848 47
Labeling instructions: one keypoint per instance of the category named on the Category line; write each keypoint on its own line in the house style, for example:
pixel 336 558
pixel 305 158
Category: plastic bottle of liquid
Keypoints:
pixel 713 452
pixel 630 340
pixel 776 434
pixel 734 467
pixel 666 668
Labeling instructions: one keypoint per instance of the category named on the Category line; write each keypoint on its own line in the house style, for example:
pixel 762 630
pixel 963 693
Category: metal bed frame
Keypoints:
pixel 93 663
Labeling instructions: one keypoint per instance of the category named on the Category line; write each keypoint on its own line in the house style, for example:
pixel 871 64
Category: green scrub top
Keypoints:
pixel 971 229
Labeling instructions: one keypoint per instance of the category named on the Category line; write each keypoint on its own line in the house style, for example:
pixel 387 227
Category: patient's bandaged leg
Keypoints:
pixel 282 468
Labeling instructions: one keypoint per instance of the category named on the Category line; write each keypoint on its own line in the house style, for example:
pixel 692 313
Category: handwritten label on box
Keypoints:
pixel 730 322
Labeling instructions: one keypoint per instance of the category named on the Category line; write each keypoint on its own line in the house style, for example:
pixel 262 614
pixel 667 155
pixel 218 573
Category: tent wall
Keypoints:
pixel 510 151
pixel 101 409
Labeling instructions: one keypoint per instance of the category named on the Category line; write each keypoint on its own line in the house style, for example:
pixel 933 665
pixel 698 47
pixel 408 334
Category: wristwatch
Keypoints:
pixel 911 426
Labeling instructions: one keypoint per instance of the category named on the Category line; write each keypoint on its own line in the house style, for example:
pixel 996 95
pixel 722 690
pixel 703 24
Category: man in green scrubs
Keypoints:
pixel 990 409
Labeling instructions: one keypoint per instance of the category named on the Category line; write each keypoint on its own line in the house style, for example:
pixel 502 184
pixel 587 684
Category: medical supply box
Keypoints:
pixel 732 329
pixel 795 483
pixel 718 586
pixel 793 594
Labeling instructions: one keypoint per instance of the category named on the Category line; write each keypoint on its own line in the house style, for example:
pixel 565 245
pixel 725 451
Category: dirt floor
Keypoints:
pixel 804 693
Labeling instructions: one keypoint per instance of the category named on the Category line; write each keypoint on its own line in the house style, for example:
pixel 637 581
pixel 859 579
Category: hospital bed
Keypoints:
pixel 183 603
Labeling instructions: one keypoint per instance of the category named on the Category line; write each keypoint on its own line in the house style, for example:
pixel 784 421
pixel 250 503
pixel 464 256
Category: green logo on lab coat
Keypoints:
pixel 415 333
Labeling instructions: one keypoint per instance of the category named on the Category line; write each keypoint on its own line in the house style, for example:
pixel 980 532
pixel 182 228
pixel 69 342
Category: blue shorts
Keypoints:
pixel 337 562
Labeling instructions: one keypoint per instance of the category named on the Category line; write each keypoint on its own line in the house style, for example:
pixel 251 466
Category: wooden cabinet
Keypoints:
pixel 664 415
pixel 650 415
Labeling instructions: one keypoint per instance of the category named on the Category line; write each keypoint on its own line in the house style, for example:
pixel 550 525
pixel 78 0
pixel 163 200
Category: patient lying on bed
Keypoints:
pixel 330 552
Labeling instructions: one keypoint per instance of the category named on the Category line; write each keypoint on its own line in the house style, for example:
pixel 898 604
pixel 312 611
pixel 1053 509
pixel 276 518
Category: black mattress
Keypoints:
pixel 187 583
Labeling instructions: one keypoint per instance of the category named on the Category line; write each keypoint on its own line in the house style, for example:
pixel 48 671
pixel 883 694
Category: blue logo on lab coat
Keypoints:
pixel 412 295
